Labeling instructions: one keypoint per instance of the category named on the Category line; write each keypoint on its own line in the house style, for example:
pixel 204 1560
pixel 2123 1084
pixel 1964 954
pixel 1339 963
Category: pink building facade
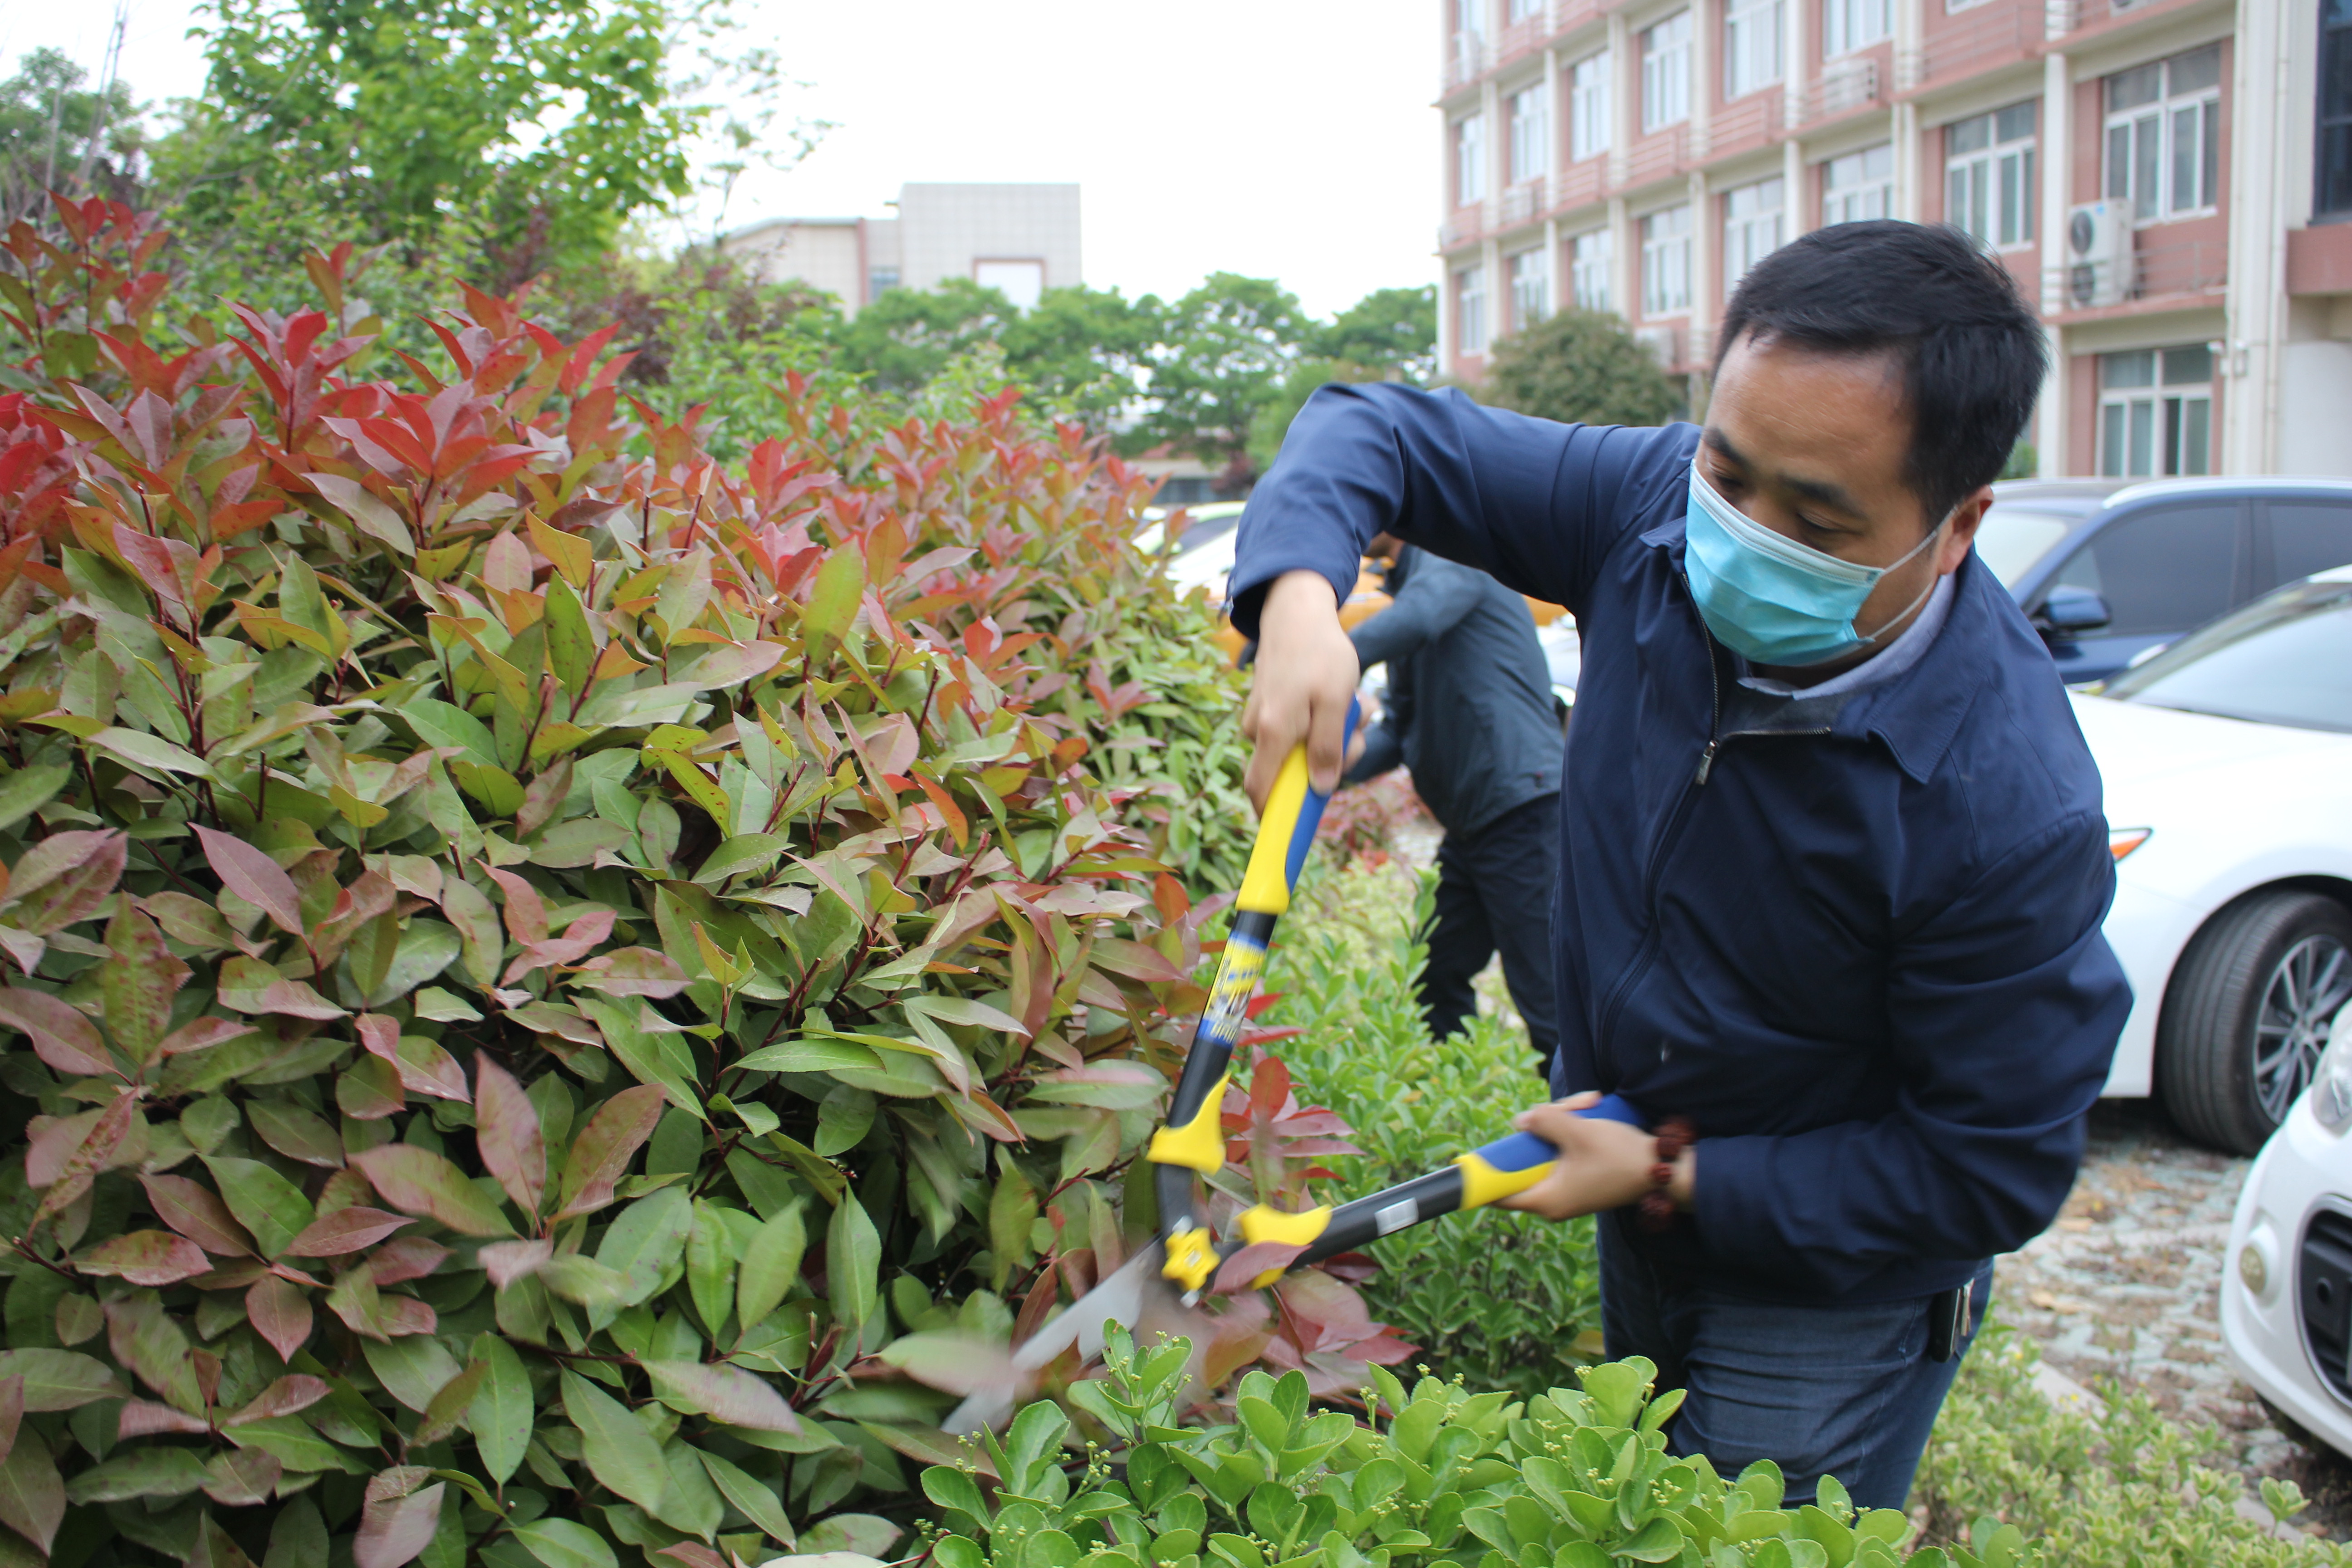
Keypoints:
pixel 2169 180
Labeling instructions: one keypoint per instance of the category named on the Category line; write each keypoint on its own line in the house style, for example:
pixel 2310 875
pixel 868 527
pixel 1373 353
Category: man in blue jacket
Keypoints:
pixel 1832 859
pixel 1470 712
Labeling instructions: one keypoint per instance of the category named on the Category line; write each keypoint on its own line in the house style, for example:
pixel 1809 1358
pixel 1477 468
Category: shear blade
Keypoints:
pixel 1121 1298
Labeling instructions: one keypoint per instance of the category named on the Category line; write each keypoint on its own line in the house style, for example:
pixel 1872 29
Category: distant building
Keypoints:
pixel 1022 239
pixel 2169 182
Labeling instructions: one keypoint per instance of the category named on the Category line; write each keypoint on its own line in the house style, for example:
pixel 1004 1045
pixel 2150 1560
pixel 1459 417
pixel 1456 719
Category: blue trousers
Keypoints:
pixel 1846 1391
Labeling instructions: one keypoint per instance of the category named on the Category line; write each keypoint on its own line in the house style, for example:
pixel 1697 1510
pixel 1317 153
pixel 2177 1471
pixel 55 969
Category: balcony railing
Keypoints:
pixel 1522 204
pixel 2184 267
pixel 1579 184
pixel 1466 61
pixel 1958 50
pixel 1747 122
pixel 1843 89
pixel 1521 38
pixel 1657 155
pixel 1467 225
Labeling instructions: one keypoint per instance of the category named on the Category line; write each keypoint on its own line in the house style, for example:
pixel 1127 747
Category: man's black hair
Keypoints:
pixel 1971 354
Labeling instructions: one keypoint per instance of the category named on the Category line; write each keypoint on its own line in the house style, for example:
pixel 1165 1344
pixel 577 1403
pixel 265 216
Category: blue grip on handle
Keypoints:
pixel 1310 810
pixel 1522 1151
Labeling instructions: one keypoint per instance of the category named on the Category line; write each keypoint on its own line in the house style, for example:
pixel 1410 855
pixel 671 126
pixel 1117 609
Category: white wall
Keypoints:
pixel 944 230
pixel 2314 435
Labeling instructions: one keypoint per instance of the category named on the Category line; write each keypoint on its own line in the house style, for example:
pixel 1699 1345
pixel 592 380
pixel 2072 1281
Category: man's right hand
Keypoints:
pixel 1304 679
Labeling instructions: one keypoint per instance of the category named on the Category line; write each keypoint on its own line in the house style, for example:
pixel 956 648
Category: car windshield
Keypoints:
pixel 2012 538
pixel 2284 659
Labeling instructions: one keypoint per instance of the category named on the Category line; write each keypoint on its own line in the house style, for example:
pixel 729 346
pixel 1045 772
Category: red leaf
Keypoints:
pixel 144 1418
pixel 419 1182
pixel 506 1135
pixel 606 1145
pixel 346 1230
pixel 279 1313
pixel 392 1533
pixel 203 1032
pixel 61 1036
pixel 526 912
pixel 253 876
pixel 197 1213
pixel 153 1257
pixel 423 1066
pixel 1238 1272
pixel 284 1397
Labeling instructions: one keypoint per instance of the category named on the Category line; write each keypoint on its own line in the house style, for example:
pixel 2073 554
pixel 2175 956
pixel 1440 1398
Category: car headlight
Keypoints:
pixel 2331 1085
pixel 2122 841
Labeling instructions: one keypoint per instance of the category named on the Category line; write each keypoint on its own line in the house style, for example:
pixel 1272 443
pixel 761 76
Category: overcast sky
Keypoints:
pixel 1290 138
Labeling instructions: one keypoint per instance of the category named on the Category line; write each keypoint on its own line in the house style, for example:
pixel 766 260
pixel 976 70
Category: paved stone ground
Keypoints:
pixel 2127 1285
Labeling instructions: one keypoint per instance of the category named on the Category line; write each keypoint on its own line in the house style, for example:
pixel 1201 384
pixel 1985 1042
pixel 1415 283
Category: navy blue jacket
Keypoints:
pixel 1469 701
pixel 1866 964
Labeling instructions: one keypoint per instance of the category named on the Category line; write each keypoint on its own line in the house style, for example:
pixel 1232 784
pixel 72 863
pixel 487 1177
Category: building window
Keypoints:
pixel 1988 175
pixel 1591 259
pixel 1666 261
pixel 1752 31
pixel 2335 160
pixel 1469 160
pixel 2163 134
pixel 1469 39
pixel 1531 289
pixel 1665 72
pixel 1858 185
pixel 1588 106
pixel 1470 308
pixel 1851 25
pixel 1021 281
pixel 1530 122
pixel 2156 412
pixel 880 280
pixel 1521 10
pixel 1751 228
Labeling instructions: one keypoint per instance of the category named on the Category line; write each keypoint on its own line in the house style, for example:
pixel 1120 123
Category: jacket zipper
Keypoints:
pixel 1671 833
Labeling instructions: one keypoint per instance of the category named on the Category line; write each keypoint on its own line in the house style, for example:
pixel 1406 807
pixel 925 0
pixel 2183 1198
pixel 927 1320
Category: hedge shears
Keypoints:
pixel 1184 1254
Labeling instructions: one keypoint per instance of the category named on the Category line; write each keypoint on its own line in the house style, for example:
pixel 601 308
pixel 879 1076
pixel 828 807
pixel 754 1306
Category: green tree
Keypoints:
pixel 57 131
pixel 542 124
pixel 1086 350
pixel 906 336
pixel 1223 354
pixel 1581 365
pixel 1390 330
pixel 1390 334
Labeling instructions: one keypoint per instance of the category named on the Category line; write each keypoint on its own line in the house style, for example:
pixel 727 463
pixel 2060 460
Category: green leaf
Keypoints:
pixel 643 1054
pixel 264 1202
pixel 648 1240
pixel 496 788
pixel 832 600
pixel 723 1393
pixel 412 1368
pixel 503 1407
pixel 770 1264
pixel 27 790
pixel 710 1264
pixel 419 1182
pixel 32 1497
pixel 60 1380
pixel 852 1262
pixel 439 723
pixel 691 1503
pixel 752 1498
pixel 160 1471
pixel 562 1543
pixel 570 651
pixel 618 1450
pixel 152 753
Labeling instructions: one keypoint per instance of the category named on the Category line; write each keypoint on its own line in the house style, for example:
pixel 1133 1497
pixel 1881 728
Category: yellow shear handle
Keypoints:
pixel 1265 887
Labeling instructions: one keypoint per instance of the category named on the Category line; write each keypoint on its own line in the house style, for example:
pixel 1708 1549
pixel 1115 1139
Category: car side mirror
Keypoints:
pixel 2070 611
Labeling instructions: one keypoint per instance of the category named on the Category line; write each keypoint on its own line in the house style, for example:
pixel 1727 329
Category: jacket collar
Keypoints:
pixel 1917 715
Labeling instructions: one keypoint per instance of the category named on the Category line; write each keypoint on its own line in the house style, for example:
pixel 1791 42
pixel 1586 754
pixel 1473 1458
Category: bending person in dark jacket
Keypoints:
pixel 1470 713
pixel 1832 857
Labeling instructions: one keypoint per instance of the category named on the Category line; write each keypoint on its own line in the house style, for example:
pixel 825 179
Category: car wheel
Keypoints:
pixel 2247 1013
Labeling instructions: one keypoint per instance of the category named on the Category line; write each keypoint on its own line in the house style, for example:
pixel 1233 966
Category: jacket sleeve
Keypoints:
pixel 2004 1010
pixel 1436 597
pixel 1530 502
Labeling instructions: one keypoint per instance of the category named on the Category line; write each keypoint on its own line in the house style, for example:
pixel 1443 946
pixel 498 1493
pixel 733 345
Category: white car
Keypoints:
pixel 2286 1296
pixel 2227 761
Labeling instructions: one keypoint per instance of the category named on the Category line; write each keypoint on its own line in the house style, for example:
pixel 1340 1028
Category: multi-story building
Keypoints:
pixel 2169 180
pixel 1022 239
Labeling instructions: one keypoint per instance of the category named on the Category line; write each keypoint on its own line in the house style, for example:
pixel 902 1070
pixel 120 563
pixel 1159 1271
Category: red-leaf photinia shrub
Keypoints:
pixel 559 999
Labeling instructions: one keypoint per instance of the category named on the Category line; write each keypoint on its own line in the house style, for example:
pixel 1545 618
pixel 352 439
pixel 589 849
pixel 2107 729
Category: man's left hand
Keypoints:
pixel 1602 1164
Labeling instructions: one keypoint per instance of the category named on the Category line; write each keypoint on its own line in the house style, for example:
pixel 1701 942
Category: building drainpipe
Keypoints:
pixel 2051 417
pixel 1555 160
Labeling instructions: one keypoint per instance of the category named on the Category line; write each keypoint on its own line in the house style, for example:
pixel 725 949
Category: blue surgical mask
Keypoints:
pixel 1776 601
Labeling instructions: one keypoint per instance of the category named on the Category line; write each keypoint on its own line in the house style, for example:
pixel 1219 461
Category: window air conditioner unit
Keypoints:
pixel 2099 254
pixel 1665 344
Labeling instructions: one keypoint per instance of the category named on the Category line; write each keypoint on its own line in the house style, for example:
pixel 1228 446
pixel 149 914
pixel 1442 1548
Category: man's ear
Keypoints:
pixel 1960 537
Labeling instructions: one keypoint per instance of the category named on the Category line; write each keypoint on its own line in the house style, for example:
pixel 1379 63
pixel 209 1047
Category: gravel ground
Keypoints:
pixel 2127 1286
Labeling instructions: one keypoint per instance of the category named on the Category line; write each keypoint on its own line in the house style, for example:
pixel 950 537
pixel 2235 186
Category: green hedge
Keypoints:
pixel 1439 1478
pixel 1502 1300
